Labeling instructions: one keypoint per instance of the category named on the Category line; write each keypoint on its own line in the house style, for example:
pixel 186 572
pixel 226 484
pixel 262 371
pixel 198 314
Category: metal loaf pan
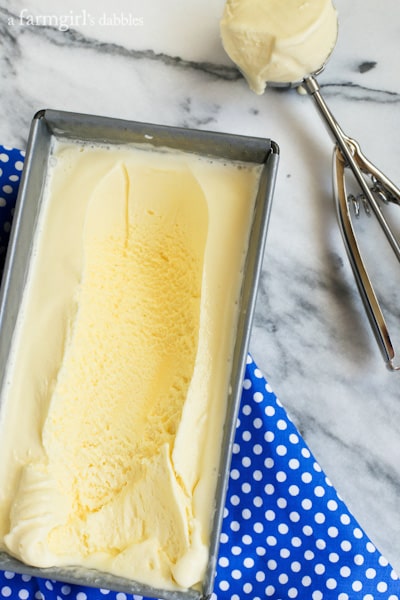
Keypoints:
pixel 48 124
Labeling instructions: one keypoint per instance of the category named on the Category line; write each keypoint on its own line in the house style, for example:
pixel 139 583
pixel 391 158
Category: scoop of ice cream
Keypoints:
pixel 278 41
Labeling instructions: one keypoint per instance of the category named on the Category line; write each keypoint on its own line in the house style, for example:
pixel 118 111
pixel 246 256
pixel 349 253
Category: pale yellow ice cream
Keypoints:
pixel 116 389
pixel 279 41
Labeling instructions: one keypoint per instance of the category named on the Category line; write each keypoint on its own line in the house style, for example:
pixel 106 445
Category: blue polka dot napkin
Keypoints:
pixel 286 532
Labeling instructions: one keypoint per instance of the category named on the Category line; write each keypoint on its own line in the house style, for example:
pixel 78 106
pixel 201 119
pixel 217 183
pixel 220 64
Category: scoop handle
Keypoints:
pixel 353 156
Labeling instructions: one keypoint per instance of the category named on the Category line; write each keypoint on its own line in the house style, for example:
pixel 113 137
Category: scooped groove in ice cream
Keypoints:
pixel 279 41
pixel 112 419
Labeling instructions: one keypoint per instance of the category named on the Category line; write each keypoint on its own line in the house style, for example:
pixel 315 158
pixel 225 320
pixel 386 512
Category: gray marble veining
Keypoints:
pixel 310 337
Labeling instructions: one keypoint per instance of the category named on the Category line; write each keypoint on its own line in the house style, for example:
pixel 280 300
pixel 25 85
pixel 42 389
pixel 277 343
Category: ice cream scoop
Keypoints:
pixel 287 43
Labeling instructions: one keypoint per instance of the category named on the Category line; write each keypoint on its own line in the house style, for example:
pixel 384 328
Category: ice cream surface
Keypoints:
pixel 115 394
pixel 279 41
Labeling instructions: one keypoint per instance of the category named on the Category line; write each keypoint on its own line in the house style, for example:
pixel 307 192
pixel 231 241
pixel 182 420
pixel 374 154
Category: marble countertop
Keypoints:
pixel 311 336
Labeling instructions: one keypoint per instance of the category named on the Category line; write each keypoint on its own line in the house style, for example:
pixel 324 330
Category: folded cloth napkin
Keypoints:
pixel 286 532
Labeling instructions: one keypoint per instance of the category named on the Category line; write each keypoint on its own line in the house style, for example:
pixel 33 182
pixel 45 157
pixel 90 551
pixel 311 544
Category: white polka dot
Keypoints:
pixel 236 448
pixel 257 423
pixel 358 559
pixel 248 562
pixel 246 436
pixel 258 397
pixel 260 576
pixel 236 574
pixel 306 581
pixel 281 450
pixel 258 374
pixel 271 540
pixel 270 515
pixel 272 564
pixel 19 165
pixel 234 500
pixel 293 438
pixel 4 157
pixel 65 589
pixel 119 596
pixel 50 587
pixel 235 525
pixel 257 449
pixel 247 588
pixel 246 461
pixel 319 518
pixel 269 411
pixel 306 477
pixel 331 583
pixel 82 596
pixel 281 424
pixel 343 596
pixel 281 476
pixel 292 592
pixel 370 547
pixel 23 594
pixel 306 504
pixel 357 586
pixel 345 519
pixel 382 587
pixel 269 463
pixel 7 189
pixel 6 591
pixel 235 474
pixel 224 538
pixel 284 552
pixel 319 491
pixel 332 505
pixel 358 534
pixel 383 561
pixel 345 571
pixel 258 501
pixel 269 489
pixel 247 539
pixel 283 578
pixel 333 532
pixel 247 386
pixel 319 569
pixel 236 550
pixel 294 463
pixel 307 530
pixel 283 528
pixel 269 436
pixel 294 516
pixel 246 514
pixel 246 488
pixel 333 557
pixel 257 475
pixel 261 551
pixel 294 490
pixel 296 542
pixel 346 545
pixel 223 561
pixel 269 590
pixel 305 452
pixel 39 595
pixel 317 467
pixel 246 409
pixel 223 585
pixel 317 595
pixel 309 555
pixel 295 566
pixel 320 544
pixel 104 591
pixel 370 573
